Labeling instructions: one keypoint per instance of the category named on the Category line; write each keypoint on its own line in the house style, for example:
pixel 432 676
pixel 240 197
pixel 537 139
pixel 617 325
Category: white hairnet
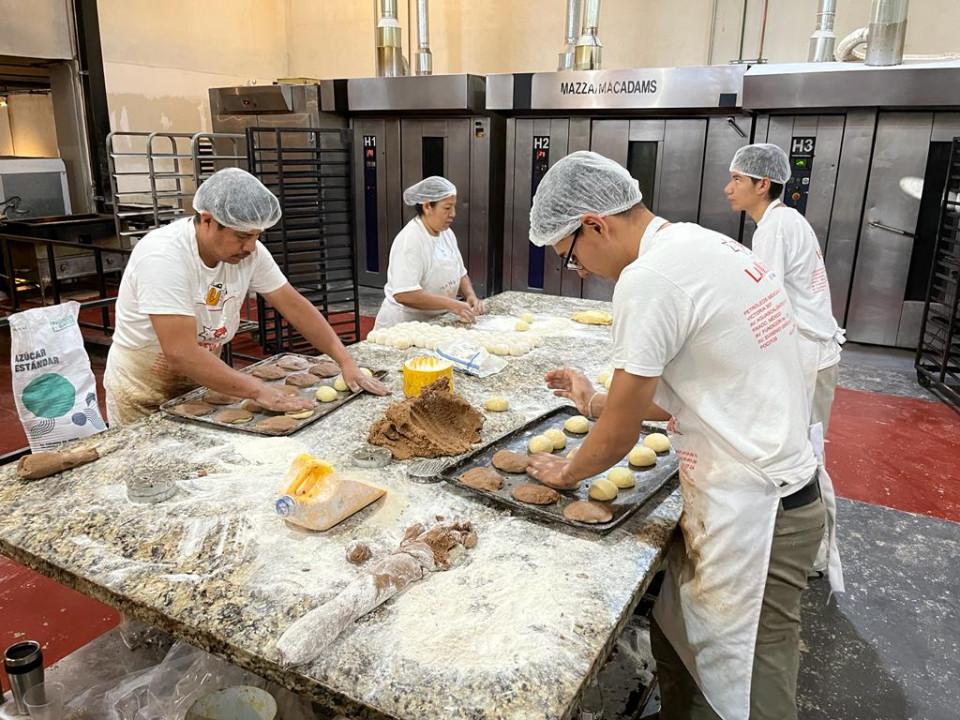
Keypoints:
pixel 237 200
pixel 429 189
pixel 762 160
pixel 580 183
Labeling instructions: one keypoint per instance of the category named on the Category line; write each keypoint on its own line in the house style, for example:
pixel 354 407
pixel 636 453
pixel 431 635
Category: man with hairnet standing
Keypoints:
pixel 703 336
pixel 426 270
pixel 787 245
pixel 180 298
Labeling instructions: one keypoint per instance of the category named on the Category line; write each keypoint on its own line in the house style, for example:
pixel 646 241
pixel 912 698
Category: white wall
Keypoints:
pixel 35 29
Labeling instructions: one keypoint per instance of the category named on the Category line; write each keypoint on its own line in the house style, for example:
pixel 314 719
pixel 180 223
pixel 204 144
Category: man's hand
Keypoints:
pixel 272 399
pixel 356 381
pixel 463 311
pixel 573 385
pixel 551 471
pixel 476 304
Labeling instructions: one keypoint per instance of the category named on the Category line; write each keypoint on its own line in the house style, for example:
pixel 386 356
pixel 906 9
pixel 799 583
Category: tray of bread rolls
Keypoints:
pixel 313 378
pixel 498 471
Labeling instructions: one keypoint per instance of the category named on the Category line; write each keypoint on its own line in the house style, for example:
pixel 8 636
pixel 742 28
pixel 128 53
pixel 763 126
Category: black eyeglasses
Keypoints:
pixel 569 262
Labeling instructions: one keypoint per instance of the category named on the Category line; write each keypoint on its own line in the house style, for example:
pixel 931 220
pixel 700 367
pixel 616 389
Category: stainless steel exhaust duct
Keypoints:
pixel 823 40
pixel 888 28
pixel 587 55
pixel 390 60
pixel 424 56
pixel 570 36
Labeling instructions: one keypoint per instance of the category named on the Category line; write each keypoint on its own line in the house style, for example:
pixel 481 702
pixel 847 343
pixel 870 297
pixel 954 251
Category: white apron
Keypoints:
pixel 709 606
pixel 829 545
pixel 443 280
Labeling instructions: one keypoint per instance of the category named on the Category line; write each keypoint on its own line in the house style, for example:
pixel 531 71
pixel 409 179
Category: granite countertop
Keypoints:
pixel 514 631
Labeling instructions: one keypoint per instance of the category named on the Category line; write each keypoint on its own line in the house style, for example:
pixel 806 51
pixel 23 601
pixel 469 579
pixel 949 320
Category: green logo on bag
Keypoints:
pixel 58 324
pixel 49 395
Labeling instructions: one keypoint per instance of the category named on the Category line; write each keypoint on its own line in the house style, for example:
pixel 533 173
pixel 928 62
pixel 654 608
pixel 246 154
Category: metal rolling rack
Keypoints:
pixel 309 170
pixel 938 351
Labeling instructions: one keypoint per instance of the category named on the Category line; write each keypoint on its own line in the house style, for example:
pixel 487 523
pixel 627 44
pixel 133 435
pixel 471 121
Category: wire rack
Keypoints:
pixel 938 352
pixel 309 170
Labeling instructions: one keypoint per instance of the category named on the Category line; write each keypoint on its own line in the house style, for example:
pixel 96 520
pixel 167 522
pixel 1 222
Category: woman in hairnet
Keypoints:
pixel 692 311
pixel 426 271
pixel 180 298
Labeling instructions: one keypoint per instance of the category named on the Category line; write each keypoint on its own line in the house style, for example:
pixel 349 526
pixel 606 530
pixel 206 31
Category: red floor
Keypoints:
pixel 893 451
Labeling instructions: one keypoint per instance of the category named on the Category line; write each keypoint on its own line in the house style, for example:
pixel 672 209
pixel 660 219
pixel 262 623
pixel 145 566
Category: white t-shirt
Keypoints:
pixel 704 314
pixel 165 276
pixel 420 261
pixel 787 244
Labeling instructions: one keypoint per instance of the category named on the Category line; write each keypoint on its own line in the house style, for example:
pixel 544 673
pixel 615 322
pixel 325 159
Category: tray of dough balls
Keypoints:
pixel 600 503
pixel 316 378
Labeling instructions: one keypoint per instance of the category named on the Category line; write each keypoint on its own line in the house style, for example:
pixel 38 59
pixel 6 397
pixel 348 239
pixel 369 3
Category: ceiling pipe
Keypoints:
pixel 888 28
pixel 424 58
pixel 589 50
pixel 570 35
pixel 390 60
pixel 824 40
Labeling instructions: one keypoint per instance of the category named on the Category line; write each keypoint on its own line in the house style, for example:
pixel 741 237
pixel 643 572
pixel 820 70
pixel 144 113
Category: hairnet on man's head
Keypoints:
pixel 762 160
pixel 429 189
pixel 580 183
pixel 236 199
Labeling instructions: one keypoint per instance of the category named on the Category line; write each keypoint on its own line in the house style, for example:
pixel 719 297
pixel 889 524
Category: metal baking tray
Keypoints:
pixel 648 480
pixel 322 409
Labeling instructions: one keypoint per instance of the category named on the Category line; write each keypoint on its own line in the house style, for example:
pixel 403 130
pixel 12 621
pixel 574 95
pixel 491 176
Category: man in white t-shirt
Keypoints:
pixel 787 244
pixel 180 298
pixel 703 335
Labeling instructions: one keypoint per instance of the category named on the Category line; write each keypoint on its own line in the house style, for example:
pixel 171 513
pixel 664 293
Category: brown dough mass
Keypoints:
pixel 587 512
pixel 511 462
pixel 292 362
pixel 217 398
pixel 437 423
pixel 358 552
pixel 269 372
pixel 233 417
pixel 252 406
pixel 325 369
pixel 301 380
pixel 277 425
pixel 482 478
pixel 194 409
pixel 534 494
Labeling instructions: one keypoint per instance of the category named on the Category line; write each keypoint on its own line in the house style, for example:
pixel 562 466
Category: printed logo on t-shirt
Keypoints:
pixel 216 293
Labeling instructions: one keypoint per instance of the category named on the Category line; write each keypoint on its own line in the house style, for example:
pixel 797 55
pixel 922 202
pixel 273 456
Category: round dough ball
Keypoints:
pixel 509 461
pixel 603 377
pixel 326 394
pixel 603 489
pixel 522 326
pixel 527 318
pixel 557 437
pixel 572 452
pixel 300 414
pixel 642 456
pixel 339 384
pixel 658 442
pixel 276 425
pixel 367 371
pixel 606 383
pixel 233 417
pixel 482 478
pixel 577 424
pixel 501 349
pixel 496 403
pixel 194 409
pixel 535 494
pixel 621 477
pixel 517 349
pixel 540 444
pixel 587 512
pixel 269 372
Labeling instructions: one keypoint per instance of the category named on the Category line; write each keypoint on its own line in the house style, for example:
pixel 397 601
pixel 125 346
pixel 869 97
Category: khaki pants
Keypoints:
pixel 823 396
pixel 773 688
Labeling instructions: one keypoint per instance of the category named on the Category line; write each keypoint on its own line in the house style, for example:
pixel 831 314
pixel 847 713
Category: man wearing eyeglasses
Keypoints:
pixel 703 334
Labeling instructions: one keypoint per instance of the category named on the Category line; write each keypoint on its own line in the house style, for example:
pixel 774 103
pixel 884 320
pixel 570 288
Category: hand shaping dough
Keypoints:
pixel 511 462
pixel 269 372
pixel 527 318
pixel 194 409
pixel 300 414
pixel 621 477
pixel 302 379
pixel 326 394
pixel 251 406
pixel 658 442
pixel 496 403
pixel 540 444
pixel 482 478
pixel 587 512
pixel 577 424
pixel 367 371
pixel 215 398
pixel 292 362
pixel 325 369
pixel 233 417
pixel 277 425
pixel 288 390
pixel 642 456
pixel 557 437
pixel 339 384
pixel 535 494
pixel 603 489
pixel 522 326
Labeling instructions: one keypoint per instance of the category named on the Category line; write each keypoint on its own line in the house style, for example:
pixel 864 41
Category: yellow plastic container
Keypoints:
pixel 419 372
